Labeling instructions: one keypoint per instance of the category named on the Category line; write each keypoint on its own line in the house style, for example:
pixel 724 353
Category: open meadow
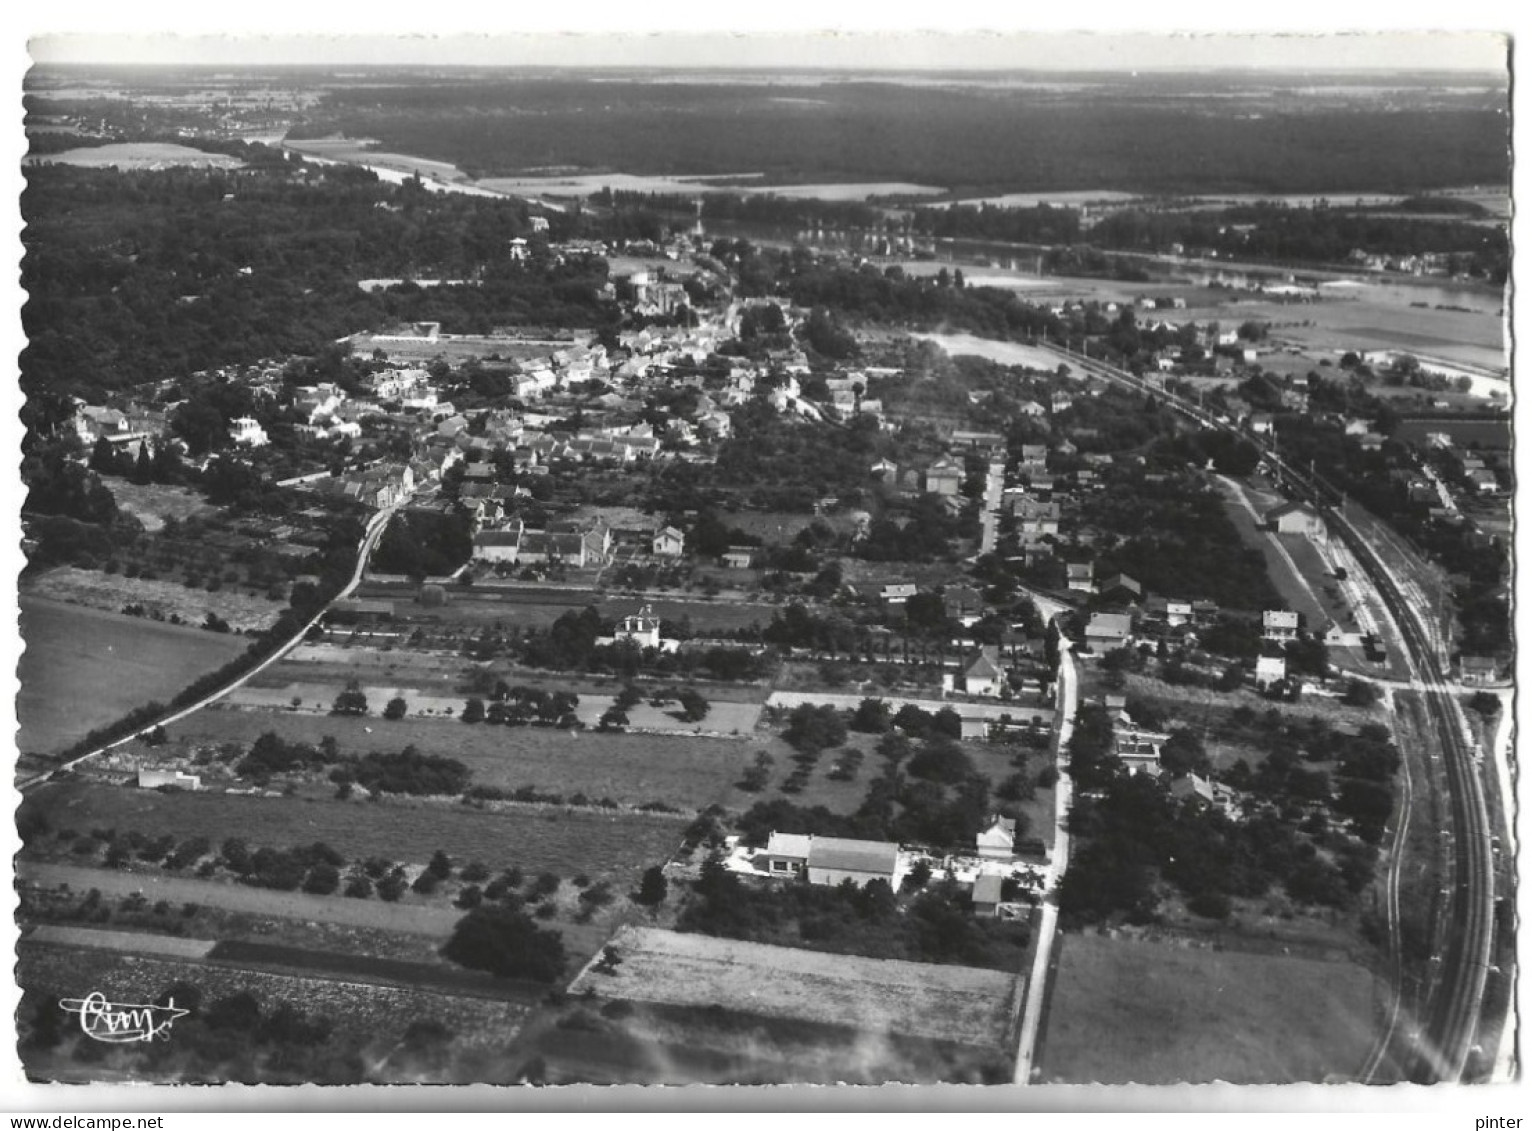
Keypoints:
pixel 84 668
pixel 1136 1012
pixel 109 592
pixel 686 772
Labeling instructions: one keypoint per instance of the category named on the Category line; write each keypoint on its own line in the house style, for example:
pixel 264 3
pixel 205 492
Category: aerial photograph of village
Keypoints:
pixel 699 573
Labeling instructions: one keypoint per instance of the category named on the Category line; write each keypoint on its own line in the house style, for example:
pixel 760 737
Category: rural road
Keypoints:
pixel 375 527
pixel 1031 1018
pixel 436 922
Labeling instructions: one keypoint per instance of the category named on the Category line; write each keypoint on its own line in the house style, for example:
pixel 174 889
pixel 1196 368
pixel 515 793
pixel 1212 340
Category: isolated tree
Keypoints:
pixel 508 944
pixel 396 709
pixel 694 707
pixel 653 888
pixel 440 865
pixel 352 701
pixel 473 710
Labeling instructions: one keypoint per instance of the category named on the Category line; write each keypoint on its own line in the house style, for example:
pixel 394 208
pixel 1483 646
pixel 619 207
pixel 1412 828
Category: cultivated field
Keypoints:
pixel 356 1008
pixel 111 591
pixel 949 1003
pixel 138 155
pixel 1154 1013
pixel 686 772
pixel 84 668
pixel 569 842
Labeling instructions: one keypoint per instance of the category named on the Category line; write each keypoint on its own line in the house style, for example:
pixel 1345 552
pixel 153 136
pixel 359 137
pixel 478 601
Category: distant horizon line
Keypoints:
pixel 798 68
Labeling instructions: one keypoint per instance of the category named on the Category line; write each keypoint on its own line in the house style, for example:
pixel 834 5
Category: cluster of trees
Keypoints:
pixel 507 943
pixel 422 544
pixel 934 925
pixel 407 771
pixel 1136 837
pixel 1173 535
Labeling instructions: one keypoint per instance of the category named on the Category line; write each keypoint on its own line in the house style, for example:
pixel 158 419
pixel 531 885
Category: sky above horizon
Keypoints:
pixel 1464 51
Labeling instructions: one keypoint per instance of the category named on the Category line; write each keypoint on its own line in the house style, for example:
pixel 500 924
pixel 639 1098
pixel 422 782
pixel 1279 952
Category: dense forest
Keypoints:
pixel 1105 137
pixel 133 277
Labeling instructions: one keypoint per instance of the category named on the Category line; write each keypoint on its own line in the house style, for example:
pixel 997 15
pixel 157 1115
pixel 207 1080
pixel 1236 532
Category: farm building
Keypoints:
pixel 153 779
pixel 833 860
pixel 998 841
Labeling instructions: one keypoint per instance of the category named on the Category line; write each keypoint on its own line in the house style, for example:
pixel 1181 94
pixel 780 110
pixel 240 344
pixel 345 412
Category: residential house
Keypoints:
pixel 246 432
pixel 1081 576
pixel 1261 424
pixel 1476 671
pixel 1139 749
pixel 669 543
pixel 982 673
pixel 945 477
pixel 786 854
pixel 1121 589
pixel 962 603
pixel 1106 631
pixel 1270 669
pixel 738 557
pixel 1279 625
pixel 1177 612
pixel 498 545
pixel 898 592
pixel 998 840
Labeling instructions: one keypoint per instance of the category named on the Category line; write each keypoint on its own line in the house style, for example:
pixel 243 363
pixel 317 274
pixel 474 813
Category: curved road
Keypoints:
pixel 375 526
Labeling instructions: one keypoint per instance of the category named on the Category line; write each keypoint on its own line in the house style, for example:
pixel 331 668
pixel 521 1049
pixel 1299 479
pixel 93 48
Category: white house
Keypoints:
pixel 1279 624
pixel 998 841
pixel 669 542
pixel 247 432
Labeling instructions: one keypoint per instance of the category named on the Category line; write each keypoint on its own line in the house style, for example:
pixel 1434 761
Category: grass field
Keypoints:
pixel 84 668
pixel 152 504
pixel 1289 584
pixel 1152 1013
pixel 568 842
pixel 950 1003
pixel 687 772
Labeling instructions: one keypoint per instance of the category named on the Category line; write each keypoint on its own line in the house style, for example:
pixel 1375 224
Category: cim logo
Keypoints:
pixel 103 1020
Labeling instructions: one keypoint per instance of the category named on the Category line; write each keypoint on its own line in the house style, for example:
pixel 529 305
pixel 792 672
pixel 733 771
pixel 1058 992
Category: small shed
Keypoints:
pixel 986 895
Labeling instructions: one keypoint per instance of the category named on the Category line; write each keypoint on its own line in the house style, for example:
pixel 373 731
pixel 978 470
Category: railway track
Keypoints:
pixel 1439 1050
